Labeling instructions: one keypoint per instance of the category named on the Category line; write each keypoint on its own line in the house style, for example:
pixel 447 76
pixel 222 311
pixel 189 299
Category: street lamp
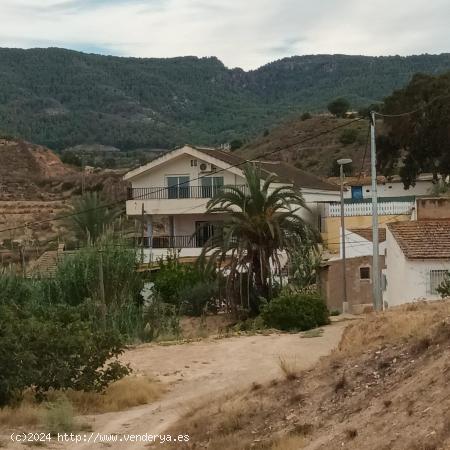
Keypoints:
pixel 342 162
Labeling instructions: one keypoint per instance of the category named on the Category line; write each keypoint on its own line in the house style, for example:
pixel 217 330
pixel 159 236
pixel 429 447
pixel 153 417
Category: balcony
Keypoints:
pixel 177 192
pixel 172 242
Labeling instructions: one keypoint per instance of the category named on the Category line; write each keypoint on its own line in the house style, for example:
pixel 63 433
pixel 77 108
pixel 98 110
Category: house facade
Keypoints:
pixel 170 196
pixel 417 260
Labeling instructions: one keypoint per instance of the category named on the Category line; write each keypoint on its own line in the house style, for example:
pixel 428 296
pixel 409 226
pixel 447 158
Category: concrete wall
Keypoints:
pixel 433 208
pixel 408 280
pixel 359 292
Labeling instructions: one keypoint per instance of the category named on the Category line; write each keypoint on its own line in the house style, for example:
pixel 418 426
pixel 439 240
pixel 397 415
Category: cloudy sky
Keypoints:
pixel 244 33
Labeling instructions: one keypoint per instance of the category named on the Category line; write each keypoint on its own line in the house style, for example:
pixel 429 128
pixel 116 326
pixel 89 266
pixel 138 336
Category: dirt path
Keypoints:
pixel 205 369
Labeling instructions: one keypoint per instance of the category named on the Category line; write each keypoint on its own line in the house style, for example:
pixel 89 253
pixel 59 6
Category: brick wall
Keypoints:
pixel 359 291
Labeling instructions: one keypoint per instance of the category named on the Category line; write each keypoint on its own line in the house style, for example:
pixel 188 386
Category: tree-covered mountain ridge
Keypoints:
pixel 61 98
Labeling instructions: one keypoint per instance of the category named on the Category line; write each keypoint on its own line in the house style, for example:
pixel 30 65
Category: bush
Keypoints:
pixel 339 107
pixel 295 311
pixel 348 136
pixel 45 347
pixel 305 116
pixel 444 288
pixel 190 288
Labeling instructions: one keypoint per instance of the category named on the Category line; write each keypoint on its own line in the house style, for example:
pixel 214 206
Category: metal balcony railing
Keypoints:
pixel 177 192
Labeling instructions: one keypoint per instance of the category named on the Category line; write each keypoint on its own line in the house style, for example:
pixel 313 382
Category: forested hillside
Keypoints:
pixel 62 98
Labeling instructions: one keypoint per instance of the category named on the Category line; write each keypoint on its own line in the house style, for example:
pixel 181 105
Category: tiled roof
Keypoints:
pixel 423 239
pixel 285 172
pixel 366 233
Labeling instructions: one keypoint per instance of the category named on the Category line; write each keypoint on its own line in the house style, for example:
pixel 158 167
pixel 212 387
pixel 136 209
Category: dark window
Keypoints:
pixel 178 186
pixel 357 193
pixel 364 273
pixel 193 163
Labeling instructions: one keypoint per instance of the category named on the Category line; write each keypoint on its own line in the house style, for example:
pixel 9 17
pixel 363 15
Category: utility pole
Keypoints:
pixel 341 163
pixel 142 233
pixel 376 285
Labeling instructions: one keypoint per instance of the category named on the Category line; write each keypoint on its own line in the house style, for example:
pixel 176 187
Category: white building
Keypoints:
pixel 360 188
pixel 417 260
pixel 171 194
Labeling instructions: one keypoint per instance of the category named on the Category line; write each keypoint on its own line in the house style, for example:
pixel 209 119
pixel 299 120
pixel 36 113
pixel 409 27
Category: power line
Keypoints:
pixel 110 205
pixel 421 108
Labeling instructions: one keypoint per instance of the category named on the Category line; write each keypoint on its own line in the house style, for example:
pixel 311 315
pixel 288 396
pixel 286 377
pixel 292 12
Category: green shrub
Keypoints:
pixel 199 298
pixel 60 417
pixel 348 136
pixel 295 311
pixel 444 288
pixel 305 116
pixel 44 346
pixel 190 288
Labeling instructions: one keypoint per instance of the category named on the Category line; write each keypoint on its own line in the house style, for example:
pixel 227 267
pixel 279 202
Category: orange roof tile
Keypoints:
pixel 424 239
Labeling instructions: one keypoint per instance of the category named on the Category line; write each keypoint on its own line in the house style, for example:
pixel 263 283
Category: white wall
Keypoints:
pixel 408 280
pixel 356 245
pixel 394 189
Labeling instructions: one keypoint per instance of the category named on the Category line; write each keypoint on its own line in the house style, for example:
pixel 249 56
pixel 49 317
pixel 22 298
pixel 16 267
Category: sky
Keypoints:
pixel 241 33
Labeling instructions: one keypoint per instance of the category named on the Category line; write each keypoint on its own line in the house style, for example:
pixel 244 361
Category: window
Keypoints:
pixel 436 279
pixel 364 273
pixel 178 186
pixel 357 193
pixel 210 186
pixel 193 163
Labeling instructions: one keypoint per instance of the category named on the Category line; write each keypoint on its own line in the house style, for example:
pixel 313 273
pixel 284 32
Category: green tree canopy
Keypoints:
pixel 420 141
pixel 339 107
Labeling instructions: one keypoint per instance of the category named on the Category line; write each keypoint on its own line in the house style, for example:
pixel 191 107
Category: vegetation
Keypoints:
pixel 66 332
pixel 348 136
pixel 444 288
pixel 91 217
pixel 295 311
pixel 262 221
pixel 339 107
pixel 417 142
pixel 61 98
pixel 191 289
pixel 305 116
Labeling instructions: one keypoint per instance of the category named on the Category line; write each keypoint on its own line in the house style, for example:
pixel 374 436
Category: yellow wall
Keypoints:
pixel 330 234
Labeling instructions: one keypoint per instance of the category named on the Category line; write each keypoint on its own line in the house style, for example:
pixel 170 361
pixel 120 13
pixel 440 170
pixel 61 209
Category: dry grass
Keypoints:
pixel 394 325
pixel 123 394
pixel 27 415
pixel 289 443
pixel 290 367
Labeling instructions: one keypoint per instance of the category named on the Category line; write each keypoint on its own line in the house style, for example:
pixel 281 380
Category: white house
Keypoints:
pixel 171 194
pixel 417 260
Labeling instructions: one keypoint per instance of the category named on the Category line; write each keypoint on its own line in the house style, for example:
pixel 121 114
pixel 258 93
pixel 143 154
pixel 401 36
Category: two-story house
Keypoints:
pixel 171 193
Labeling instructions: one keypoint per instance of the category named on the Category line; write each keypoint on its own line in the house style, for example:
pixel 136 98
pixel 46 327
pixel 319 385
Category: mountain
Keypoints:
pixel 61 98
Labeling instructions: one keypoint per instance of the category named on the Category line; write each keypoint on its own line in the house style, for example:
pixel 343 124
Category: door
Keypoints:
pixel 204 230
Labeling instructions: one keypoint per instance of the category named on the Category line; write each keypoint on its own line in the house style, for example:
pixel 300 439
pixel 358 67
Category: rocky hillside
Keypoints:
pixel 62 98
pixel 318 155
pixel 35 186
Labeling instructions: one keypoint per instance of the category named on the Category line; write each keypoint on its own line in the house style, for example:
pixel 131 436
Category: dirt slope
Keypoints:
pixel 203 370
pixel 386 388
pixel 316 155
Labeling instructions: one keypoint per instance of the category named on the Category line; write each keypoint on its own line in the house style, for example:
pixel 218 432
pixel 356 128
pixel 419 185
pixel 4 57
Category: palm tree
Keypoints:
pixel 262 222
pixel 91 217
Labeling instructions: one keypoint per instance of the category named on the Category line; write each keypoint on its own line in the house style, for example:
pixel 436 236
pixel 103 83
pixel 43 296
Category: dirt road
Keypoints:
pixel 205 369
